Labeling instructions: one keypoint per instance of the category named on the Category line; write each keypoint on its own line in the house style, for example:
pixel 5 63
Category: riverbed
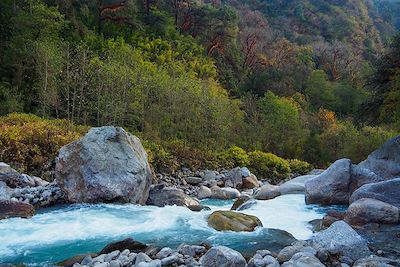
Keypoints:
pixel 57 233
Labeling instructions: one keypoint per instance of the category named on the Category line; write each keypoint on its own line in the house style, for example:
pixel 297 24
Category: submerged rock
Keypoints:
pixel 340 239
pixel 367 210
pixel 222 256
pixel 106 165
pixel 386 191
pixel 240 201
pixel 9 209
pixel 167 196
pixel 129 243
pixel 385 161
pixel 233 221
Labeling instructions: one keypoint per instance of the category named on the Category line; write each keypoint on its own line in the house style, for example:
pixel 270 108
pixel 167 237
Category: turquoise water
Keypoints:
pixel 57 233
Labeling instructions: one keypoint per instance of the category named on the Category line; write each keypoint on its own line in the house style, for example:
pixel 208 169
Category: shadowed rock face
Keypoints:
pixel 367 210
pixel 385 161
pixel 9 209
pixel 106 165
pixel 233 221
pixel 386 191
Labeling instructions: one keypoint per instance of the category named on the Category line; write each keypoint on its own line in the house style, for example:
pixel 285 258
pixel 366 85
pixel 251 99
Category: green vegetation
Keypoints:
pixel 269 166
pixel 200 80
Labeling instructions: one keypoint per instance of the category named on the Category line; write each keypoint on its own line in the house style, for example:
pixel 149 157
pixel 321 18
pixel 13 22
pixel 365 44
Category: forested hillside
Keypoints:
pixel 313 80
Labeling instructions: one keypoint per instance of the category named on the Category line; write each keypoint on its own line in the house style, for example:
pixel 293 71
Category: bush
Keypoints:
pixel 233 157
pixel 299 166
pixel 159 158
pixel 191 157
pixel 30 143
pixel 268 165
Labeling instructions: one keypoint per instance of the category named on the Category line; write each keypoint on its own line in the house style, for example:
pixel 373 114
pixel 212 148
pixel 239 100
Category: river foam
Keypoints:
pixel 57 233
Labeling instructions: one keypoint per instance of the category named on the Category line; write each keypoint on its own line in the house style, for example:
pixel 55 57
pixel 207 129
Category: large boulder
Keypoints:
pixel 224 192
pixel 106 165
pixel 386 191
pixel 367 210
pixel 332 186
pixel 233 221
pixel 295 186
pixel 168 196
pixel 342 240
pixel 9 209
pixel 385 161
pixel 222 256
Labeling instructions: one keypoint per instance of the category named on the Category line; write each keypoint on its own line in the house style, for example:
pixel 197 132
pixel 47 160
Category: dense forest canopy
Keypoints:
pixel 310 79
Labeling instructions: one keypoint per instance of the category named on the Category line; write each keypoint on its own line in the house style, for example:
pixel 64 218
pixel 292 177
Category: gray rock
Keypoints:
pixel 87 260
pixel 375 261
pixel 194 180
pixel 169 260
pixel 107 164
pixel 208 175
pixel 222 256
pixel 386 191
pixel 204 192
pixel 115 263
pixel 142 257
pixel 155 263
pixel 39 181
pixel 385 161
pixel 168 196
pixel 295 186
pixel 5 191
pixel 224 193
pixel 267 192
pixel 332 186
pixel 303 259
pixel 234 178
pixel 361 176
pixel 288 252
pixel 245 172
pixel 142 264
pixel 14 179
pixel 102 264
pixel 163 253
pixel 111 256
pixel 341 239
pixel 124 259
pixel 367 210
pixel 190 250
pixel 247 205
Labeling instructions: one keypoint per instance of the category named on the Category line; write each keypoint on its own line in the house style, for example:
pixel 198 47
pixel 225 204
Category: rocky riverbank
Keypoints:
pixel 110 165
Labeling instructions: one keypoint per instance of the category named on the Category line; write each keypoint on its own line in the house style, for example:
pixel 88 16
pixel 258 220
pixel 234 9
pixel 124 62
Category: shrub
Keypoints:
pixel 31 144
pixel 191 157
pixel 233 157
pixel 299 166
pixel 268 165
pixel 159 158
